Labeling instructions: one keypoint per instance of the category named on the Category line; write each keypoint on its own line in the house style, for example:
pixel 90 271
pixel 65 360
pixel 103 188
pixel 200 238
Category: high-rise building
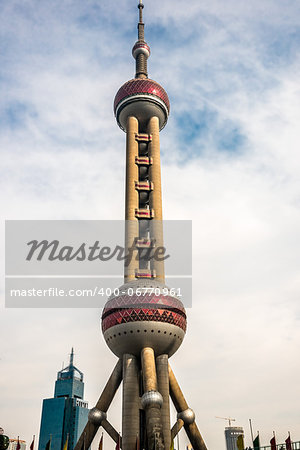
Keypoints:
pixel 64 416
pixel 234 435
pixel 143 323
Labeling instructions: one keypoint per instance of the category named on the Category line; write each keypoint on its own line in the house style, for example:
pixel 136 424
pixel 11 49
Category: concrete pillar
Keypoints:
pixel 163 388
pixel 103 404
pixel 132 199
pixel 111 431
pixel 176 428
pixel 176 393
pixel 151 401
pixel 131 399
pixel 194 436
pixel 156 226
pixel 181 405
pixel 149 369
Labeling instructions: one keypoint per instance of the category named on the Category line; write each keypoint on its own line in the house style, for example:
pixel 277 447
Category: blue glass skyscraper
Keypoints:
pixel 65 415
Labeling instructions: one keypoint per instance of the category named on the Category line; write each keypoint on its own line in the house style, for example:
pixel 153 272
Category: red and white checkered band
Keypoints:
pixel 141 86
pixel 150 307
pixel 123 315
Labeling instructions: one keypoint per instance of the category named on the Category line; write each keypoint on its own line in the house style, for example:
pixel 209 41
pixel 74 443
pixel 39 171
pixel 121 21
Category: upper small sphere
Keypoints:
pixel 141 47
pixel 142 98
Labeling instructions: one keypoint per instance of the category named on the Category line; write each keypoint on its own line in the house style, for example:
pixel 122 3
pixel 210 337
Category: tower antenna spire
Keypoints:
pixel 141 50
pixel 72 357
pixel 141 24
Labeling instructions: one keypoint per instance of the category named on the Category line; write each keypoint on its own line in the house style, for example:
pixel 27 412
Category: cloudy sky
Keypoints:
pixel 231 163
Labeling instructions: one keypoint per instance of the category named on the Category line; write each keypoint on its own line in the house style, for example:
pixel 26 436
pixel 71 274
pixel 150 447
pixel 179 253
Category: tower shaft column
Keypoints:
pixel 156 226
pixel 152 401
pixel 130 415
pixel 163 388
pixel 132 200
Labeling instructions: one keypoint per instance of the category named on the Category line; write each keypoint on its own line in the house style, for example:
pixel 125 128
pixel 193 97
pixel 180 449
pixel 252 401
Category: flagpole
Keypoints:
pixel 251 430
pixel 100 447
pixel 273 442
pixel 32 443
pixel 256 443
pixel 290 442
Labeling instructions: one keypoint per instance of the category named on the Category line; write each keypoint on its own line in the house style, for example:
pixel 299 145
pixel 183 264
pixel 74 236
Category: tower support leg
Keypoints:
pixel 152 401
pixel 163 388
pixel 176 428
pixel 185 414
pixel 111 431
pixel 130 416
pixel 102 406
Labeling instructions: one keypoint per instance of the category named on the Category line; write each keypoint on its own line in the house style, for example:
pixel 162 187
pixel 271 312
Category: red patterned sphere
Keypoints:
pixel 142 98
pixel 143 314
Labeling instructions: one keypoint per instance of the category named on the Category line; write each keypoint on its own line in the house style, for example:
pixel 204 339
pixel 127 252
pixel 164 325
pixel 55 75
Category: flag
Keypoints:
pixel 172 445
pixel 273 443
pixel 48 445
pixel 66 443
pixel 240 442
pixel 18 444
pixel 32 444
pixel 101 443
pixel 288 443
pixel 256 443
pixel 118 444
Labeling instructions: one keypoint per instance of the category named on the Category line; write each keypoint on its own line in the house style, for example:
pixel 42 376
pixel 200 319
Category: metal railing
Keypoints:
pixel 295 446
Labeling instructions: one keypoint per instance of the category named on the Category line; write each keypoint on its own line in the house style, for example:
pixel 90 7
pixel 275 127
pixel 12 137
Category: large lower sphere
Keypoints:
pixel 132 321
pixel 143 99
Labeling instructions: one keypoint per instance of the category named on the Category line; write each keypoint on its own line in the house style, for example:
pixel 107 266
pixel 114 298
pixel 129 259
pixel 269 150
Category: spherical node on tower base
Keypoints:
pixel 96 416
pixel 188 416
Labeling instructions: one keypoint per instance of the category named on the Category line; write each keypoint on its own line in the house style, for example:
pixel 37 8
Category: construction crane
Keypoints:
pixel 226 418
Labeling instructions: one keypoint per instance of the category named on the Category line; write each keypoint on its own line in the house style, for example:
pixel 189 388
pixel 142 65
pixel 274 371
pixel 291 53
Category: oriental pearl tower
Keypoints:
pixel 145 323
